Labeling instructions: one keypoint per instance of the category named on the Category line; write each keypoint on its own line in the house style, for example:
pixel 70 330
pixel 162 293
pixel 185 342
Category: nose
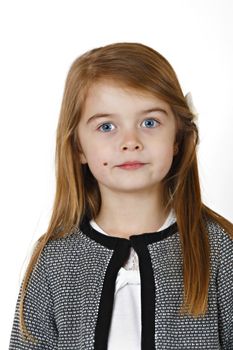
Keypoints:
pixel 130 147
pixel 131 143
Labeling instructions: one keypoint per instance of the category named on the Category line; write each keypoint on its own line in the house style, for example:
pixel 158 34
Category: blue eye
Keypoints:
pixel 105 129
pixel 152 120
pixel 108 123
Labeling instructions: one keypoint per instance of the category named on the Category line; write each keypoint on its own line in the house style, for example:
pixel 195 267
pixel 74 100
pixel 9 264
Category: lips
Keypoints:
pixel 131 165
pixel 136 162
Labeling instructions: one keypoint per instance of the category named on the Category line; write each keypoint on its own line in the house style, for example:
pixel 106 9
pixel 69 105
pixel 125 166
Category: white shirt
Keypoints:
pixel 125 328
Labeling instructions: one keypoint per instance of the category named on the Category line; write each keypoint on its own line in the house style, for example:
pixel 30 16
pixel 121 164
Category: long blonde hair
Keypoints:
pixel 144 69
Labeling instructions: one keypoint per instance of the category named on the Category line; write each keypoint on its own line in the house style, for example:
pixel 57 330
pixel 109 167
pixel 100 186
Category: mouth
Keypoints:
pixel 133 162
pixel 131 165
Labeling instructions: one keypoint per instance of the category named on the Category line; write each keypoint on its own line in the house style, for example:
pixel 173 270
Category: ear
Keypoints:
pixel 176 148
pixel 81 154
pixel 82 157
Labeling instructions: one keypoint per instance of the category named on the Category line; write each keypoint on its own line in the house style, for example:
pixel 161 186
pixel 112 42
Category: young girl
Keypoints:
pixel 132 258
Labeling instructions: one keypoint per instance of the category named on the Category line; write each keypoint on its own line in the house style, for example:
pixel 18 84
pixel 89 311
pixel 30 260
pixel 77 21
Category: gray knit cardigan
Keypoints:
pixel 69 302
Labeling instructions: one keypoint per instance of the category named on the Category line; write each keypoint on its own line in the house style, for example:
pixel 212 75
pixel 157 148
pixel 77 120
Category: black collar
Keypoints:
pixel 112 241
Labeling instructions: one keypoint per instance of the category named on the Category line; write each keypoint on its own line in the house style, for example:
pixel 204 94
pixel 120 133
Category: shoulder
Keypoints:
pixel 217 230
pixel 64 248
pixel 220 239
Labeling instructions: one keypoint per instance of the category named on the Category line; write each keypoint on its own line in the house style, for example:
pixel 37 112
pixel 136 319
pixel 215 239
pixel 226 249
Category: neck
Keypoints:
pixel 122 215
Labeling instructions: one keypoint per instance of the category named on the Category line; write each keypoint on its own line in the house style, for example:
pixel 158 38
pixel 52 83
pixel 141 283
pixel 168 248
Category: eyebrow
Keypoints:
pixel 102 115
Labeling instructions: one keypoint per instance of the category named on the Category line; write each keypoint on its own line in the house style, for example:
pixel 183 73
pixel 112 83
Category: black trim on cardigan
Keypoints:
pixel 147 295
pixel 112 241
pixel 121 247
pixel 107 298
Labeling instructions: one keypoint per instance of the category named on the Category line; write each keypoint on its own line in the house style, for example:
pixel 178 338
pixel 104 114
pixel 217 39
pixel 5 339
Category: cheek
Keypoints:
pixel 97 160
pixel 164 158
pixel 98 164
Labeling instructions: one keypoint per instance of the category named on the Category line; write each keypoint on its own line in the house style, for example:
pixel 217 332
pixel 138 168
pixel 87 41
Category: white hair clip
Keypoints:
pixel 189 100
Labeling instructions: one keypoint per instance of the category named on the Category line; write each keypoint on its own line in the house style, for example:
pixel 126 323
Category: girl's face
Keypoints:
pixel 125 130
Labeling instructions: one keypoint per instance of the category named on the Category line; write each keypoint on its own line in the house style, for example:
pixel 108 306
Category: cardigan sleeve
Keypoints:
pixel 38 313
pixel 225 293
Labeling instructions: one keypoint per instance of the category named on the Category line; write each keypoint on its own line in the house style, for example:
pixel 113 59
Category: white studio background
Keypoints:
pixel 39 41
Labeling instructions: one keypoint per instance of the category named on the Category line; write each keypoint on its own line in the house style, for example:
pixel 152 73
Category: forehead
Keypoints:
pixel 114 94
